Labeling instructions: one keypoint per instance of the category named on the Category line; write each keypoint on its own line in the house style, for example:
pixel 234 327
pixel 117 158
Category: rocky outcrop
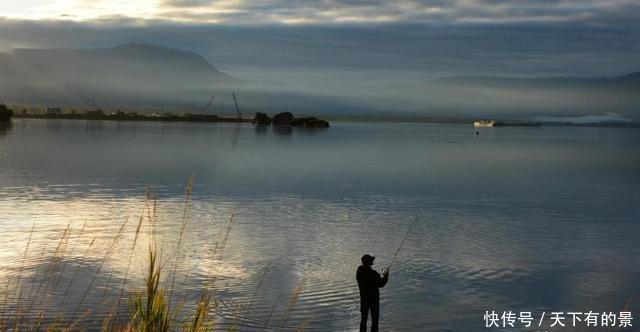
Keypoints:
pixel 282 119
pixel 261 119
pixel 286 119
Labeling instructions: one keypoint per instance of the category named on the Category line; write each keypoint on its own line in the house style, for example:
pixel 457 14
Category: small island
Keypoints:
pixel 287 119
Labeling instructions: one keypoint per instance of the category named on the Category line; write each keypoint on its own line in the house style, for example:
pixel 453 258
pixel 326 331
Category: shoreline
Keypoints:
pixel 204 118
pixel 128 117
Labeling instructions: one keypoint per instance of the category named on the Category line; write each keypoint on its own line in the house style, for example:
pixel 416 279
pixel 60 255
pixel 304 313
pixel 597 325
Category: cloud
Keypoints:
pixel 427 11
pixel 246 12
pixel 187 3
pixel 377 53
pixel 499 49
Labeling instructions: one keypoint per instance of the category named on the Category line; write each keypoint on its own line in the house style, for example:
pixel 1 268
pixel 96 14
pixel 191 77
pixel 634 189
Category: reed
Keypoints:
pixel 59 261
pixel 303 325
pixel 151 309
pixel 50 268
pixel 273 309
pixel 183 226
pixel 104 259
pixel 201 320
pixel 293 300
pixel 75 272
pixel 126 273
pixel 18 284
pixel 48 274
pixel 244 310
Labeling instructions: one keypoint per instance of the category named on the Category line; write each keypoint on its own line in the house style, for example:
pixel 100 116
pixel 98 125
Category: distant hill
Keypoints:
pixel 633 77
pixel 144 76
pixel 131 69
pixel 630 81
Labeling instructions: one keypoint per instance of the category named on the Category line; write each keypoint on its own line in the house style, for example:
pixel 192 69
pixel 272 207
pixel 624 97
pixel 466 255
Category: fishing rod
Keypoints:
pixel 401 244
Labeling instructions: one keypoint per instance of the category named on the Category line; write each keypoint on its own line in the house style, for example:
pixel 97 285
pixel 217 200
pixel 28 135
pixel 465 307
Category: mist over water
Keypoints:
pixel 522 219
pixel 408 72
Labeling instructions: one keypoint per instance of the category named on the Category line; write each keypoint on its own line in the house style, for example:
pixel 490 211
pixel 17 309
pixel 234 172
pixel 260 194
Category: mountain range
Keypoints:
pixel 125 71
pixel 144 75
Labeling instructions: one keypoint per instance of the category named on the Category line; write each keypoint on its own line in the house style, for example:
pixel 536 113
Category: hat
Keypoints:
pixel 367 258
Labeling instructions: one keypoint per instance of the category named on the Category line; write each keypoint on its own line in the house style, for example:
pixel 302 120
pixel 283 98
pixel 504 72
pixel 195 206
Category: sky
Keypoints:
pixel 379 52
pixel 293 12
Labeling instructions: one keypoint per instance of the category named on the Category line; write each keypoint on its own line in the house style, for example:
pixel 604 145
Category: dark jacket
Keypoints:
pixel 369 281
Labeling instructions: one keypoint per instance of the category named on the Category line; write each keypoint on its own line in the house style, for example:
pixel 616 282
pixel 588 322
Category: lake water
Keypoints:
pixel 524 219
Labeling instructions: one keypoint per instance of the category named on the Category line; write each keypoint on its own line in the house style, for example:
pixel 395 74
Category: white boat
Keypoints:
pixel 484 123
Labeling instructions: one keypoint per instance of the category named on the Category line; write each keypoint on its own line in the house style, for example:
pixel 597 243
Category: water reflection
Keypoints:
pixel 55 289
pixel 236 132
pixel 5 127
pixel 508 221
pixel 283 130
pixel 54 125
pixel 92 126
pixel 261 129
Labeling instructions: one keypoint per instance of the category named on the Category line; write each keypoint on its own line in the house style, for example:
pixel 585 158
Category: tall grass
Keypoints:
pixel 293 300
pixel 201 320
pixel 152 308
pixel 114 316
pixel 183 226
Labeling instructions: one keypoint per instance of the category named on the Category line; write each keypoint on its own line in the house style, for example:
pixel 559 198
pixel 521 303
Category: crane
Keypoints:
pixel 206 108
pixel 235 100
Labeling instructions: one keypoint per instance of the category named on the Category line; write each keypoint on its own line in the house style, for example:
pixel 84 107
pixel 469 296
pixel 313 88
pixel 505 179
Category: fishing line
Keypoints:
pixel 402 243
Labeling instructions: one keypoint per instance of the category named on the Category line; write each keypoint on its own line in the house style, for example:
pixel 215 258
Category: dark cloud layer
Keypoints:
pixel 515 49
pixel 415 11
pixel 498 37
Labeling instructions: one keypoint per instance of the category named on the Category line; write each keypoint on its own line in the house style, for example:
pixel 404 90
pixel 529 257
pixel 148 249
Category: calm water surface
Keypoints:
pixel 522 219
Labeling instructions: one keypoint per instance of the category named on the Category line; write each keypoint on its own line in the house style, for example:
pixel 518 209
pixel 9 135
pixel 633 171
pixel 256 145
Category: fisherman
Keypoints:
pixel 368 282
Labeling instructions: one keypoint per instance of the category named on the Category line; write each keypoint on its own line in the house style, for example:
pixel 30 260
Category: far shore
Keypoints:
pixel 213 118
pixel 121 116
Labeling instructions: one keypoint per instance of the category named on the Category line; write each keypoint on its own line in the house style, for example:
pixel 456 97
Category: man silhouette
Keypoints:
pixel 368 282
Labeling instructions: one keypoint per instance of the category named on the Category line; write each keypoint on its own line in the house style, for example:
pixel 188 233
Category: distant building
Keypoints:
pixel 54 111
